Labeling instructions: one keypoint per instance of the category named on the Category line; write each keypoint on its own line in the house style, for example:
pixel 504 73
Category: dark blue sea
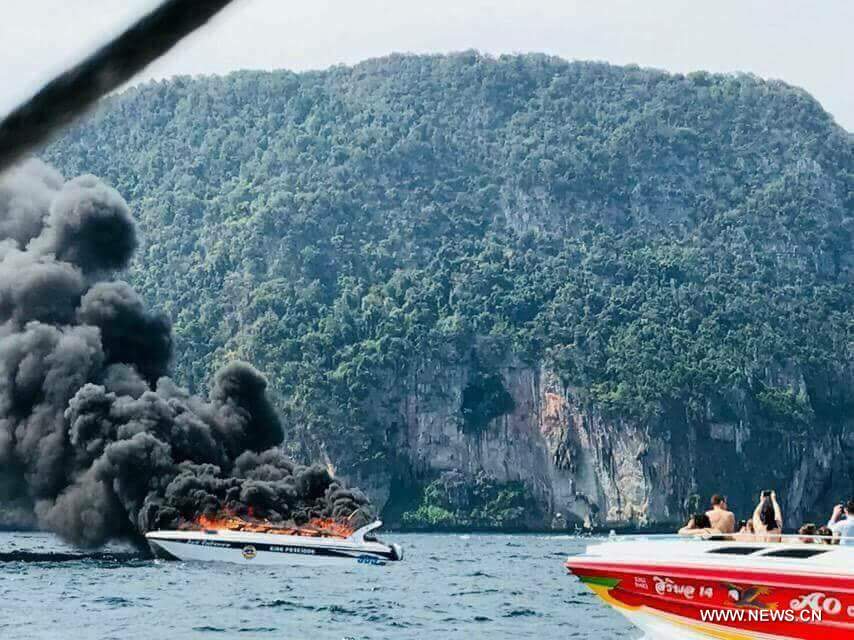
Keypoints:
pixel 448 586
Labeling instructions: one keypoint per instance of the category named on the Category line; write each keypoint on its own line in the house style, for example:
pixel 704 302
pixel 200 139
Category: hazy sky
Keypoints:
pixel 807 43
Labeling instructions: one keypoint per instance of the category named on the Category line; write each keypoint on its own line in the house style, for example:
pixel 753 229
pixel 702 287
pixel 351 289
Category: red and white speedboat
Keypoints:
pixel 693 589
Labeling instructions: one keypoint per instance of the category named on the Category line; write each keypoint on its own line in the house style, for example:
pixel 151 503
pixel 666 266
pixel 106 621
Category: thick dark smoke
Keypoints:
pixel 95 442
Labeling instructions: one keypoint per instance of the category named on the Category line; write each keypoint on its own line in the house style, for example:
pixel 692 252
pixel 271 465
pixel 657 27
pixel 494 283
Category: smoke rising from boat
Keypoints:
pixel 96 442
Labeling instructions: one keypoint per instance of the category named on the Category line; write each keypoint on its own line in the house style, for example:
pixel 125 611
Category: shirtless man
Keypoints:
pixel 721 518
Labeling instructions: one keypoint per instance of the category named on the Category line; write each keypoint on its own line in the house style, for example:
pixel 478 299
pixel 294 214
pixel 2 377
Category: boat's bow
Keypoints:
pixel 691 589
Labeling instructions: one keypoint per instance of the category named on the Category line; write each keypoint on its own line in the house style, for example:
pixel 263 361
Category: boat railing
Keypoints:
pixel 758 538
pixel 358 535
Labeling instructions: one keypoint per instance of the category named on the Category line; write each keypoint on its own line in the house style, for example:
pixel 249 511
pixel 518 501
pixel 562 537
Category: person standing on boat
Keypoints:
pixel 720 516
pixel 768 518
pixel 843 529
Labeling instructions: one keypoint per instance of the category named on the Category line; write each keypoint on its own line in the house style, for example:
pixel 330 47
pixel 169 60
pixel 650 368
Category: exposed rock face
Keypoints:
pixel 587 469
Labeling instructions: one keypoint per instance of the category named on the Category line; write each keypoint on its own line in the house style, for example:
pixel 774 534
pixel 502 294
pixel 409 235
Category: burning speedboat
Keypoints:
pixel 310 545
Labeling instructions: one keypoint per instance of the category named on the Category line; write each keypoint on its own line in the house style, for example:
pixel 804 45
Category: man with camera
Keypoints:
pixel 843 528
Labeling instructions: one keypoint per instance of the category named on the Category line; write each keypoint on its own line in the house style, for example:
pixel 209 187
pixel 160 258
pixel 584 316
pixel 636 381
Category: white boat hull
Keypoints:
pixel 271 548
pixel 198 553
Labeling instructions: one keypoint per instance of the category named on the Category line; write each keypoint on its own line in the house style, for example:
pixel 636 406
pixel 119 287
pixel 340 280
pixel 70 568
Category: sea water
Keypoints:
pixel 448 586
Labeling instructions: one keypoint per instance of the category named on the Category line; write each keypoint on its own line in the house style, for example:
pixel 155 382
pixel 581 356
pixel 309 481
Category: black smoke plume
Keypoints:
pixel 95 442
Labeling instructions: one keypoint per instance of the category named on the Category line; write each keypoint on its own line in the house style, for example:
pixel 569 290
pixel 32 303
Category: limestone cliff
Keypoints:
pixel 587 469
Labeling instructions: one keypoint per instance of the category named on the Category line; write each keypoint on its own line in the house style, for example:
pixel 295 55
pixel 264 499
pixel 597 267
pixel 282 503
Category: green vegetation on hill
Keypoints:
pixel 663 242
pixel 454 501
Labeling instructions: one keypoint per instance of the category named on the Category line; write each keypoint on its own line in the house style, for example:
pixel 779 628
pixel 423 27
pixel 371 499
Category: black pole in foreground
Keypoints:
pixel 70 94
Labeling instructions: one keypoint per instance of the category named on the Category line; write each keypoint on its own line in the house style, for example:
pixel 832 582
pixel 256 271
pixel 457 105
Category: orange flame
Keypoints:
pixel 316 527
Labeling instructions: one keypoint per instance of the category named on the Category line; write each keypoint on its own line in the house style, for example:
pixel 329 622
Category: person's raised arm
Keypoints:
pixel 756 521
pixel 834 519
pixel 778 514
